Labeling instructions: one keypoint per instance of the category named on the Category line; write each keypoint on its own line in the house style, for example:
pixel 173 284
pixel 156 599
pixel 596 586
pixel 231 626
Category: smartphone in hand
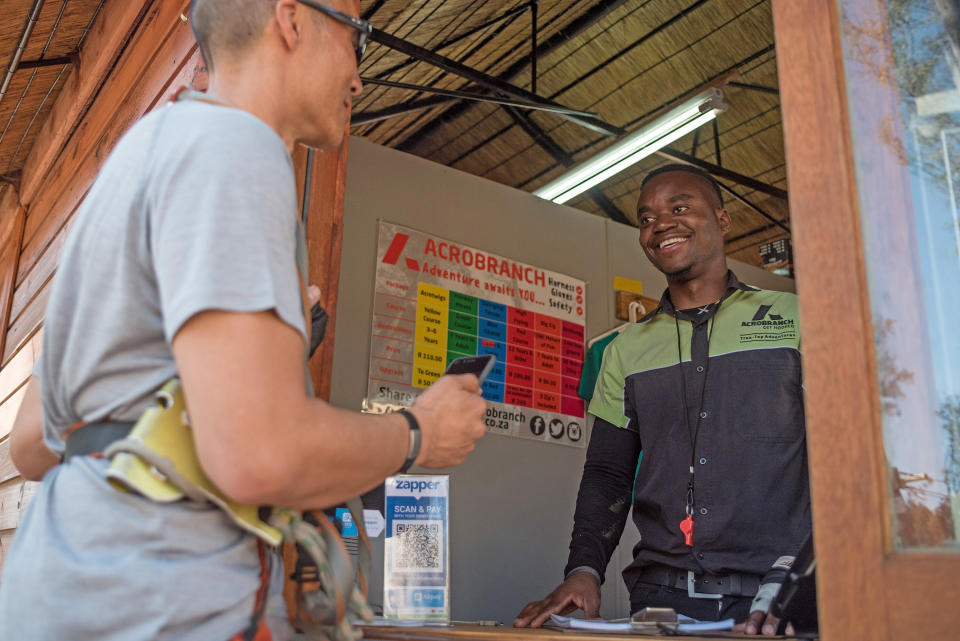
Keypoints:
pixel 480 366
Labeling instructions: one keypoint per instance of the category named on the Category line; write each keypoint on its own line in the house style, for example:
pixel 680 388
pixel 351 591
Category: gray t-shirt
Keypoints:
pixel 194 210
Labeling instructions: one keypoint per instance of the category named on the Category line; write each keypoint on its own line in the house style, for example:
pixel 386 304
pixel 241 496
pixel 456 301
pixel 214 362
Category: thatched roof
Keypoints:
pixel 624 60
pixel 638 57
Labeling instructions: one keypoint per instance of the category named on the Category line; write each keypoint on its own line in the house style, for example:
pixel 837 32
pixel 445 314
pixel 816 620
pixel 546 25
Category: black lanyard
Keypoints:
pixel 686 526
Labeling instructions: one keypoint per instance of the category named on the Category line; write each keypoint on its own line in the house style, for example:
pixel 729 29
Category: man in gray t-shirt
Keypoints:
pixel 182 261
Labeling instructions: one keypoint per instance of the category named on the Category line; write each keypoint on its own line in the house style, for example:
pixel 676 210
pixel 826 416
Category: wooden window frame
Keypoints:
pixel 866 590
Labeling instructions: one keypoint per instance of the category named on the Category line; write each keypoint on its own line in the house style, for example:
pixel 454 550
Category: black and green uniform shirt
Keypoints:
pixel 752 501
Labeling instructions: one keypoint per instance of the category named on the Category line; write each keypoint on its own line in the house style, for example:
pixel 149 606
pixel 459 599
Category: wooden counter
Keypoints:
pixel 464 632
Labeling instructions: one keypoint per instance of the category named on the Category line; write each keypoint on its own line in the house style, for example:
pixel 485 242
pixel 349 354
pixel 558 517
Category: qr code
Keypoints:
pixel 418 545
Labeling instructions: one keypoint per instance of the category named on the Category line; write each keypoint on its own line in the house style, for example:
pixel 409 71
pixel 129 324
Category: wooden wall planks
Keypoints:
pixel 157 53
pixel 324 241
pixel 7 470
pixel 18 370
pixel 107 38
pixel 133 56
pixel 160 53
pixel 6 540
pixel 12 218
pixel 9 409
pixel 35 278
pixel 9 205
pixel 8 272
pixel 15 495
pixel 26 324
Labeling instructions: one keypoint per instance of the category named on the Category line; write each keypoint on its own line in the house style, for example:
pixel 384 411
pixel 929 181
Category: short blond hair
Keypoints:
pixel 228 27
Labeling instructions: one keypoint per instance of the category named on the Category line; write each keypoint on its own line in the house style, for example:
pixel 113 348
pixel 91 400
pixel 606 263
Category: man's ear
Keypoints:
pixel 724 219
pixel 288 16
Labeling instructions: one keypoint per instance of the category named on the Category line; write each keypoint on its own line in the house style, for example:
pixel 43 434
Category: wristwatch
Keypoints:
pixel 414 450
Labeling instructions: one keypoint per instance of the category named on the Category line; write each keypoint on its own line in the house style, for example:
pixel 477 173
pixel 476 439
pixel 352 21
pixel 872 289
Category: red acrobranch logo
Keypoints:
pixel 396 248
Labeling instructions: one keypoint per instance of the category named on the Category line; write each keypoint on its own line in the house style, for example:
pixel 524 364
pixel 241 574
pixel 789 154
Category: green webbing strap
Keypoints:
pixel 328 610
pixel 339 600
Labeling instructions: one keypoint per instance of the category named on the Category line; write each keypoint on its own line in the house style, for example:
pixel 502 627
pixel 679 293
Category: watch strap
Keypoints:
pixel 414 450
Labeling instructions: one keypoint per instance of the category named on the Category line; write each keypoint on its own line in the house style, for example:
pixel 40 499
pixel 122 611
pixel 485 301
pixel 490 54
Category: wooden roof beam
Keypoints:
pixel 48 62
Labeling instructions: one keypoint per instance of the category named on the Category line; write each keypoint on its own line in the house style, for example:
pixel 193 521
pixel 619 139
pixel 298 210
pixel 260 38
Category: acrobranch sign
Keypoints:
pixel 436 300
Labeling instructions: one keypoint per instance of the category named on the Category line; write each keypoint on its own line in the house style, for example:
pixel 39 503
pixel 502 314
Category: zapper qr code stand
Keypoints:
pixel 416 570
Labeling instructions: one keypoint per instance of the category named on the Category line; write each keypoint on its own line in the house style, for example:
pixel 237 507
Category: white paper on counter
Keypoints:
pixel 687 625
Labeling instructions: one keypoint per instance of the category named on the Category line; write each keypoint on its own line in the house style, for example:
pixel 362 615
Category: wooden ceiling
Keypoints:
pixel 625 60
pixel 56 33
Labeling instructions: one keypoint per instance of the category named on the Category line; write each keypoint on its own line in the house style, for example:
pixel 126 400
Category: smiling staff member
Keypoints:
pixel 707 386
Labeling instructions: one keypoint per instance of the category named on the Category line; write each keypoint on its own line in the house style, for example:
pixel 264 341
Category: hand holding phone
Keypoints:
pixel 451 413
pixel 480 366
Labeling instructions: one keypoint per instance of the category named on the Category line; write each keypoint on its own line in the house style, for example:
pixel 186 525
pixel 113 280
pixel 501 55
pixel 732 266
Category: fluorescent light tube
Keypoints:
pixel 657 134
pixel 634 158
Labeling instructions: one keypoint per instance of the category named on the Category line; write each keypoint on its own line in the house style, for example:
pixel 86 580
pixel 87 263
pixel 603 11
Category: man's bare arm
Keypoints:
pixel 262 440
pixel 29 453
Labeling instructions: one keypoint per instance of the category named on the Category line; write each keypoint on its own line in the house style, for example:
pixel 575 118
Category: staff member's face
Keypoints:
pixel 682 225
pixel 329 80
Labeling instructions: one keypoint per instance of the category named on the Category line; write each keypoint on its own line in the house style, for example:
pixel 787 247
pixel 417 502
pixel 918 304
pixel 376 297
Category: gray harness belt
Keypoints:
pixel 94 437
pixel 702 586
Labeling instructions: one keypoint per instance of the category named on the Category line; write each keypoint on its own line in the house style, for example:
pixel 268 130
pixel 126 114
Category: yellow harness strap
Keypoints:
pixel 159 461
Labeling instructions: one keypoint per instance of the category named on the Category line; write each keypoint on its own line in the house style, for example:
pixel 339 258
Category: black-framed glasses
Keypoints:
pixel 362 27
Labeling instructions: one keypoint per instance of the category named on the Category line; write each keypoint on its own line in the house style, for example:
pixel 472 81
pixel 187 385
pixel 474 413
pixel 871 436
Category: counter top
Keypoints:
pixel 465 632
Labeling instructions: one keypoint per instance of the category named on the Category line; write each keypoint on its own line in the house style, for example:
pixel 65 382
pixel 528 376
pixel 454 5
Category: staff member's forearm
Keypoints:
pixel 260 438
pixel 30 455
pixel 603 501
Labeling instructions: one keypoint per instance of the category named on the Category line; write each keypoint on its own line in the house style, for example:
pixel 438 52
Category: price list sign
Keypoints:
pixel 436 300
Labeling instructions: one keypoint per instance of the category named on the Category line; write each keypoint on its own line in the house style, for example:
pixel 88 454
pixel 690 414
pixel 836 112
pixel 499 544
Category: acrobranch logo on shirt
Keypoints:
pixel 767 327
pixel 763 318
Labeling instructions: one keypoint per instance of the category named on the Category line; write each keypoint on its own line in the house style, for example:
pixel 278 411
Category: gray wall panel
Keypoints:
pixel 512 501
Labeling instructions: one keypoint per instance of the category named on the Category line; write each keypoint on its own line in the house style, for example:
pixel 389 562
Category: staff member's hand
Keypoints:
pixel 580 590
pixel 762 623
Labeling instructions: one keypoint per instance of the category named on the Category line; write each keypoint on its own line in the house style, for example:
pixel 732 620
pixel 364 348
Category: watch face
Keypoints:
pixel 556 428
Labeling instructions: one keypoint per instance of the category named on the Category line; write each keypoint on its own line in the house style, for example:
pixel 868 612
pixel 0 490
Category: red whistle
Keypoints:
pixel 686 526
